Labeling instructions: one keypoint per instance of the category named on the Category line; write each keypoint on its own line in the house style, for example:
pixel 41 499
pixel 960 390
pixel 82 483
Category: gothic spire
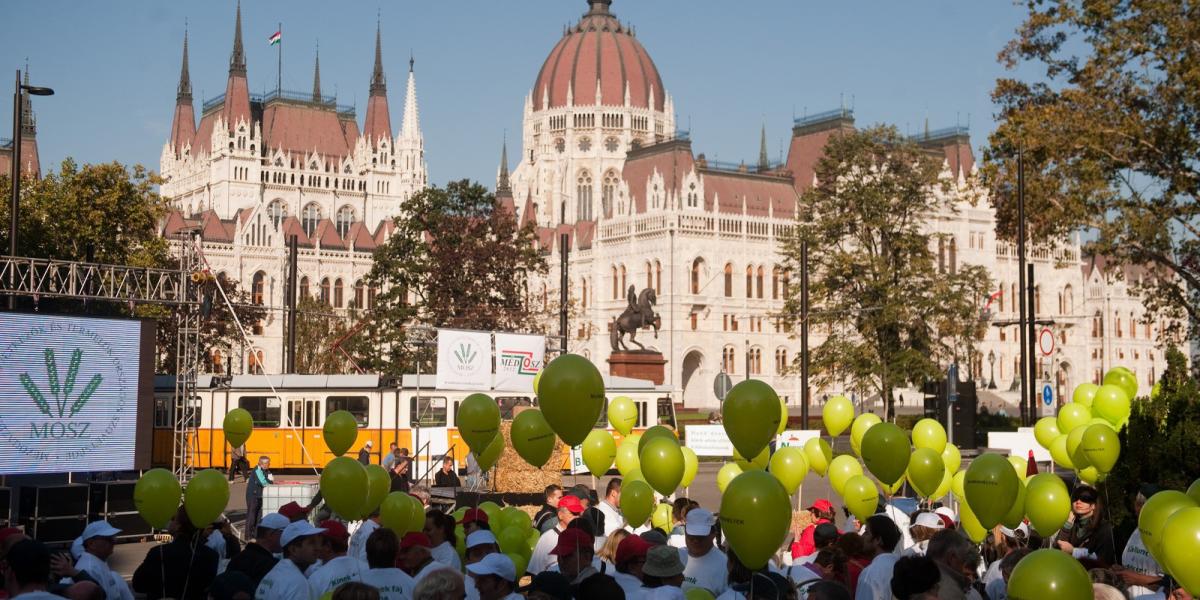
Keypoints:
pixel 502 185
pixel 183 93
pixel 763 162
pixel 237 59
pixel 411 127
pixel 378 81
pixel 317 77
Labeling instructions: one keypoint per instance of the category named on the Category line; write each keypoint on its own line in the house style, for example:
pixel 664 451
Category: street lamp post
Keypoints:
pixel 15 172
pixel 992 364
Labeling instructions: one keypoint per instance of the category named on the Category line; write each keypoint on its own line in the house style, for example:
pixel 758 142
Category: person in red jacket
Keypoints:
pixel 822 512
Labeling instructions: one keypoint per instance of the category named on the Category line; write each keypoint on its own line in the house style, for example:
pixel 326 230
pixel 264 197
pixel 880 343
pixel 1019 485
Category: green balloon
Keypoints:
pixel 783 418
pixel 532 539
pixel 952 457
pixel 344 486
pixel 928 433
pixel 837 415
pixel 1047 503
pixel 698 594
pixel 571 396
pixel 516 518
pixel 726 474
pixel 841 470
pixel 511 540
pixel 655 432
pixel 860 427
pixel 957 481
pixel 885 451
pixel 1074 441
pixel 1072 415
pixel 661 517
pixel 1016 514
pixel 379 483
pixel 943 488
pixel 1181 546
pixel 238 426
pixel 622 414
pixel 627 454
pixel 926 471
pixel 520 563
pixel 691 464
pixel 970 523
pixel 491 454
pixel 1154 516
pixel 491 509
pixel 756 514
pixel 750 414
pixel 759 463
pixel 789 466
pixel 1124 379
pixel 1058 452
pixel 205 498
pixel 1019 465
pixel 341 431
pixel 662 464
pixel 1101 447
pixel 1112 403
pixel 1084 394
pixel 532 437
pixel 156 497
pixel 860 496
pixel 636 475
pixel 599 452
pixel 1045 430
pixel 537 378
pixel 637 501
pixel 991 488
pixel 478 421
pixel 1049 573
pixel 819 455
pixel 394 514
pixel 1193 491
pixel 1090 475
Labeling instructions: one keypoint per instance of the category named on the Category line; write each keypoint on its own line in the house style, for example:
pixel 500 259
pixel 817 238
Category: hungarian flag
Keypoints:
pixel 275 37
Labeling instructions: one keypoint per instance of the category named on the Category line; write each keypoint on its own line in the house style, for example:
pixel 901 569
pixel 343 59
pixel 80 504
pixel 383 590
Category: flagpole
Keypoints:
pixel 279 67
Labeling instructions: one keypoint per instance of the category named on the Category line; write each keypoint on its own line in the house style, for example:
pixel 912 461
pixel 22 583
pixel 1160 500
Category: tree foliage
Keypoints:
pixel 1110 129
pixel 454 259
pixel 888 316
pixel 318 328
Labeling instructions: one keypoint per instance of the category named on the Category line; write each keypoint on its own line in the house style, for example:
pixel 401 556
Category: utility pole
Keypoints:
pixel 290 303
pixel 1032 350
pixel 563 242
pixel 804 392
pixel 1026 418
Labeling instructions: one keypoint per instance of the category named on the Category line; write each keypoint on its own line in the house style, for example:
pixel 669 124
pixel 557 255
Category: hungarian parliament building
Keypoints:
pixel 603 163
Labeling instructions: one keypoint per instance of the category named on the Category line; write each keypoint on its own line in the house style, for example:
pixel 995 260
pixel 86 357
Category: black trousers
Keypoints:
pixel 253 516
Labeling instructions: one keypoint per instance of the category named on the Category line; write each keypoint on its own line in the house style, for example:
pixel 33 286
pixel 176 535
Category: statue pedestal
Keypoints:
pixel 648 364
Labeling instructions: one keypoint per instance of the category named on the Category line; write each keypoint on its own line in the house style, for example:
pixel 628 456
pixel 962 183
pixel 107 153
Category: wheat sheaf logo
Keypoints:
pixel 465 354
pixel 61 388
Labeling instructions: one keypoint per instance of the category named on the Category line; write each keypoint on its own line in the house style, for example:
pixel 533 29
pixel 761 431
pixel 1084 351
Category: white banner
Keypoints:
pixel 577 465
pixel 518 358
pixel 797 437
pixel 708 440
pixel 464 360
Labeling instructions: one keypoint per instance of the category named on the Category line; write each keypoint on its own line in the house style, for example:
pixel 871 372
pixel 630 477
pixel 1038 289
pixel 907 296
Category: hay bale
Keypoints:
pixel 513 474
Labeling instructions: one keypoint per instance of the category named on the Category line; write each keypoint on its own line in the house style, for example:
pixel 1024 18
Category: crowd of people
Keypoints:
pixel 584 550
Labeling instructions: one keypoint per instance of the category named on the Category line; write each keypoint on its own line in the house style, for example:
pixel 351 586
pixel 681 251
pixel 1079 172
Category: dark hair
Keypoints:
pixel 952 543
pixel 851 544
pixel 833 559
pixel 353 590
pixel 913 575
pixel 187 530
pixel 444 522
pixel 600 588
pixel 594 516
pixel 613 485
pixel 884 529
pixel 382 547
pixel 584 525
pixel 828 590
pixel 29 562
pixel 679 507
pixel 550 489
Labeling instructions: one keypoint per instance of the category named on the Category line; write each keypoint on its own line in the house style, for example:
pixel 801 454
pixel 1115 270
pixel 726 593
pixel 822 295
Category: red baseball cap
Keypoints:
pixel 572 504
pixel 293 511
pixel 334 530
pixel 414 539
pixel 8 532
pixel 572 540
pixel 632 546
pixel 822 505
pixel 472 515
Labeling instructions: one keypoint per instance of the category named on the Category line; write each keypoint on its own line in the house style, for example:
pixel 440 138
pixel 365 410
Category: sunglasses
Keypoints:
pixel 1086 498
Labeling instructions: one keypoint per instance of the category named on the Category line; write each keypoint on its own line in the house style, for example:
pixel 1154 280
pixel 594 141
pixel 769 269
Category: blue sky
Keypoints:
pixel 731 66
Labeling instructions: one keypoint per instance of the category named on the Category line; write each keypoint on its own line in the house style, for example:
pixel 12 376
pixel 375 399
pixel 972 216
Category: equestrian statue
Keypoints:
pixel 640 313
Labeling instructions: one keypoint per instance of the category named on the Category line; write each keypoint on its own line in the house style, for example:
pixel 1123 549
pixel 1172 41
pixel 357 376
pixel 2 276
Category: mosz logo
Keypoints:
pixel 465 354
pixel 61 389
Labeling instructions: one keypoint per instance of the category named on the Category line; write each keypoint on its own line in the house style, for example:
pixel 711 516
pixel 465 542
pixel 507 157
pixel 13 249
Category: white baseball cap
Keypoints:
pixel 297 530
pixel 369 443
pixel 274 521
pixel 699 522
pixel 98 529
pixel 945 510
pixel 1023 529
pixel 480 537
pixel 930 520
pixel 494 564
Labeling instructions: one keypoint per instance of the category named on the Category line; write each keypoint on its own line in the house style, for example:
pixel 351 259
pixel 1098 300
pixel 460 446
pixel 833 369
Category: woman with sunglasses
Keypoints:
pixel 1087 535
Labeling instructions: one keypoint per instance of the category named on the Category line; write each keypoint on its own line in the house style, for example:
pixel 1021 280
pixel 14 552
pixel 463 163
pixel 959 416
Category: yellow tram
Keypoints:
pixel 288 420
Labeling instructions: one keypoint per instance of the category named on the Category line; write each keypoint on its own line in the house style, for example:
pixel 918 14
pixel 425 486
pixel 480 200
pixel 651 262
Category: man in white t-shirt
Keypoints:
pixel 880 536
pixel 613 519
pixel 28 571
pixel 286 580
pixel 569 507
pixel 1138 569
pixel 358 541
pixel 480 543
pixel 628 563
pixel 382 549
pixel 99 539
pixel 336 568
pixel 495 577
pixel 704 565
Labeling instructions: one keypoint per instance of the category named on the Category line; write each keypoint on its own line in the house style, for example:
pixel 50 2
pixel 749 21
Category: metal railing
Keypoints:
pixel 828 115
pixel 941 133
pixel 326 101
pixel 49 278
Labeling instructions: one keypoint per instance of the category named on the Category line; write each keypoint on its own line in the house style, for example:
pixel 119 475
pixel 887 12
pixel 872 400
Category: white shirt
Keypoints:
pixel 904 523
pixel 216 541
pixel 541 559
pixel 666 592
pixel 802 572
pixel 337 571
pixel 993 573
pixel 917 549
pixel 114 586
pixel 709 571
pixel 284 582
pixel 1137 558
pixel 312 568
pixel 677 540
pixel 447 555
pixel 997 589
pixel 875 581
pixel 613 519
pixel 429 568
pixel 358 541
pixel 632 585
pixel 38 595
pixel 393 584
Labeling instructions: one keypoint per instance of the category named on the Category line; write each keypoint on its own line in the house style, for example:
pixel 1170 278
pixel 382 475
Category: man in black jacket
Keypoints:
pixel 182 569
pixel 259 557
pixel 364 454
pixel 547 517
pixel 260 477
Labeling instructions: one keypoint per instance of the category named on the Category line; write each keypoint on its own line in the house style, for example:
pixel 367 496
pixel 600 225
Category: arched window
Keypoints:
pixel 254 362
pixel 258 287
pixel 304 292
pixel 1117 323
pixel 649 275
pixel 616 291
pixel 787 279
pixel 583 194
pixel 697 268
pixel 338 293
pixel 693 199
pixel 749 281
pixel 755 361
pixel 608 193
pixel 623 285
pixel 277 211
pixel 953 255
pixel 1069 299
pixel 941 255
pixel 310 218
pixel 359 290
pixel 1037 299
pixel 758 282
pixel 583 296
pixel 325 296
pixel 729 359
pixel 657 277
pixel 1000 299
pixel 781 361
pixel 345 218
pixel 728 280
pixel 775 283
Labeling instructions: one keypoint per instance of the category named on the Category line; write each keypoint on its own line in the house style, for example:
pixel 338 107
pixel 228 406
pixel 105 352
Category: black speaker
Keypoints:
pixel 39 502
pixel 131 524
pixel 5 506
pixel 109 497
pixel 963 411
pixel 55 530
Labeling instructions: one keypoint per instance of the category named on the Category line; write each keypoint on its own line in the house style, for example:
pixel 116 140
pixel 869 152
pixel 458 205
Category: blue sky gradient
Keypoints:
pixel 731 66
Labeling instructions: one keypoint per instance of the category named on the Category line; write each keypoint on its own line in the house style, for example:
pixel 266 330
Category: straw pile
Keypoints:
pixel 513 474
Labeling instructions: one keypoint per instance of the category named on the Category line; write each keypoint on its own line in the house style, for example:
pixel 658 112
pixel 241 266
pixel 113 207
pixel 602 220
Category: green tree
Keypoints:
pixel 318 327
pixel 1109 120
pixel 455 259
pixel 219 333
pixel 890 318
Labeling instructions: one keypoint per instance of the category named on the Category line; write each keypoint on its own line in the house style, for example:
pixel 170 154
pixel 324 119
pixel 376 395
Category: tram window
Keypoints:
pixel 355 405
pixel 162 411
pixel 666 413
pixel 311 413
pixel 264 410
pixel 641 408
pixel 508 403
pixel 430 412
pixel 602 421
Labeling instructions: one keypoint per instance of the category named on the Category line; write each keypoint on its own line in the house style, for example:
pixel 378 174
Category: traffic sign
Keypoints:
pixel 1047 395
pixel 1046 341
pixel 721 385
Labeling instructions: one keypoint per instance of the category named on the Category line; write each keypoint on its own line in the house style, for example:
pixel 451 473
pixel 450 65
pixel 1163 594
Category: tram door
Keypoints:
pixel 305 428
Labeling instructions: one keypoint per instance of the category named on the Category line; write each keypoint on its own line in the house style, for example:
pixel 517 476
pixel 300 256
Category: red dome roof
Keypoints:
pixel 599 49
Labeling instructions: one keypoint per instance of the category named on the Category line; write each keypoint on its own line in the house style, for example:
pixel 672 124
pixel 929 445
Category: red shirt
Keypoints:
pixel 805 545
